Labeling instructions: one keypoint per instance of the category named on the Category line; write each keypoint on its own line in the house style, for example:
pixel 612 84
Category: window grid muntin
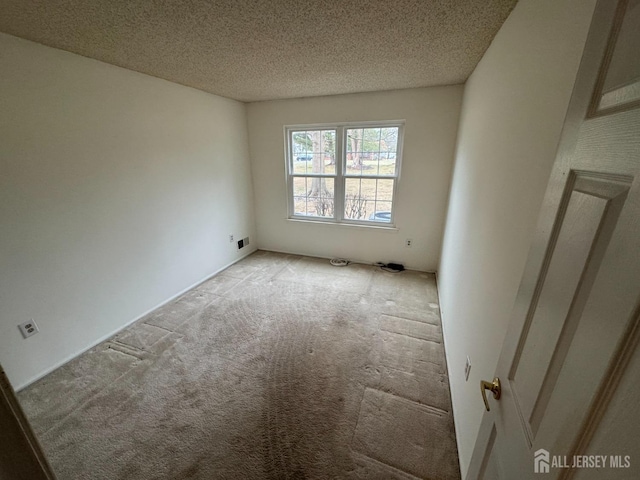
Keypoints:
pixel 340 172
pixel 396 152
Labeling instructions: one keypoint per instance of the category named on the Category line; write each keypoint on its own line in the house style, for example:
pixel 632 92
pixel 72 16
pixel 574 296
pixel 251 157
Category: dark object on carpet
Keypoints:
pixel 391 267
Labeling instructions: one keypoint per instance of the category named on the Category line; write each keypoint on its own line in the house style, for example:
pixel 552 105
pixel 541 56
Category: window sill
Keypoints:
pixel 381 228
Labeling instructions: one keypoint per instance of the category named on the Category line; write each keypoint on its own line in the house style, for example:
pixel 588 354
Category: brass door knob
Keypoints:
pixel 494 387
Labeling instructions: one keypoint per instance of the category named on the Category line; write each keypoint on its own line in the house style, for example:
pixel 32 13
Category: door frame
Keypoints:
pixel 24 457
pixel 605 24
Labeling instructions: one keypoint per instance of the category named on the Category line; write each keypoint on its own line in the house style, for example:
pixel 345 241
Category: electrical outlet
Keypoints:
pixel 246 241
pixel 408 242
pixel 28 328
pixel 467 369
pixel 230 238
pixel 240 244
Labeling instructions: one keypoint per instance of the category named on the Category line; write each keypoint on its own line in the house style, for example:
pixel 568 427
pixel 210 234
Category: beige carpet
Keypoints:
pixel 281 367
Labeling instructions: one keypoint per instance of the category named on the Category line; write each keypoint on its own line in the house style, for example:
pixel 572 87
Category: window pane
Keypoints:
pixel 300 196
pixel 382 212
pixel 299 187
pixel 313 151
pixel 354 146
pixel 371 151
pixel 368 199
pixel 384 190
pixel 313 196
pixel 352 187
pixel 329 167
pixel 384 196
pixel 323 202
pixel 359 199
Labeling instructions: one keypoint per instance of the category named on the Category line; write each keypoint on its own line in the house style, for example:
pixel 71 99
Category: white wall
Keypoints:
pixel 512 115
pixel 117 191
pixel 431 116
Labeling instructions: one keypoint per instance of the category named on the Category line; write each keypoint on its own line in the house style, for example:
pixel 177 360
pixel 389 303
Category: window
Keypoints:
pixel 344 173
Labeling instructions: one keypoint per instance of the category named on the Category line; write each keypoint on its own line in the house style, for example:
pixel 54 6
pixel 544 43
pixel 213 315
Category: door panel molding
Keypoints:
pixel 552 341
pixel 615 195
pixel 487 468
pixel 625 96
pixel 628 344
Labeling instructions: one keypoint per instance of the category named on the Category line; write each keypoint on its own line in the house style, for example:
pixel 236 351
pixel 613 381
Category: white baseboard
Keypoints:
pixel 126 325
pixel 445 342
pixel 361 262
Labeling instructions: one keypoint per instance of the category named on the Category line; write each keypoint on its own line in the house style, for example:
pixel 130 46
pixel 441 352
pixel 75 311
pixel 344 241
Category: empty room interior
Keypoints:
pixel 290 240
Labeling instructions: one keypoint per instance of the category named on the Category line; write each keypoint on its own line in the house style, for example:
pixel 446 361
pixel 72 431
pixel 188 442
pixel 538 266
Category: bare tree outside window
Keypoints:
pixel 314 156
pixel 365 172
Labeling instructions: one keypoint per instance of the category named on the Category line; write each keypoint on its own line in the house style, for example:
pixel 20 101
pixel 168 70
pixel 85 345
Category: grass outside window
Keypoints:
pixel 344 173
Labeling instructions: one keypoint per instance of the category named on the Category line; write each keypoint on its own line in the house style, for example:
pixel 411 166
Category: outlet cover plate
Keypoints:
pixel 28 328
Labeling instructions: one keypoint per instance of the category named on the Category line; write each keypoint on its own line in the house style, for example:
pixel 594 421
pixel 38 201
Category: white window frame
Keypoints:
pixel 340 176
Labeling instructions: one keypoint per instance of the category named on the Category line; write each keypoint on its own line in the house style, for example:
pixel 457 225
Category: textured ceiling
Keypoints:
pixel 262 49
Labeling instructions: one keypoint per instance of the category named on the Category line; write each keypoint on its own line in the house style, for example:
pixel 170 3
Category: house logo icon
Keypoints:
pixel 541 461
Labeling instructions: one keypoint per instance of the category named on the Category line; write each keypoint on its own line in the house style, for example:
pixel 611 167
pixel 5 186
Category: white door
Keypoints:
pixel 569 368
